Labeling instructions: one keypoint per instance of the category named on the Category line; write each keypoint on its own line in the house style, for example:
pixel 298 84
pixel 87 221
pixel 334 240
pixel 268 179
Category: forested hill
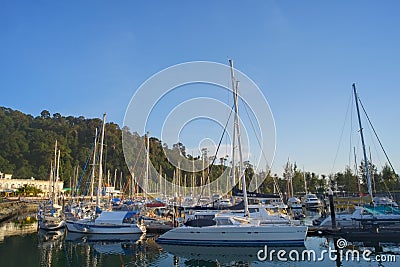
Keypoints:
pixel 27 143
pixel 27 147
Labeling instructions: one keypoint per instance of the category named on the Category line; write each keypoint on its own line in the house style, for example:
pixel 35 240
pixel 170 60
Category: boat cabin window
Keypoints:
pixel 202 216
pixel 130 217
pixel 223 221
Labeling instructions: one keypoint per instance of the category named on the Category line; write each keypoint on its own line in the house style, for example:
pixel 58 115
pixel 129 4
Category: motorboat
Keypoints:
pixel 294 203
pixel 365 216
pixel 311 201
pixel 108 222
pixel 385 201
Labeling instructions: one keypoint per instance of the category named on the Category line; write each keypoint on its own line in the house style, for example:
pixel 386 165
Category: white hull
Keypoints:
pixel 359 219
pixel 51 225
pixel 232 235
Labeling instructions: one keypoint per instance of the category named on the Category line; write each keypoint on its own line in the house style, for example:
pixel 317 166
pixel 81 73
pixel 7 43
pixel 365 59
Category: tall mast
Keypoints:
pixel 159 193
pixel 355 171
pixel 192 183
pixel 305 181
pixel 93 167
pixel 241 172
pixel 101 162
pixel 234 127
pixel 363 145
pixel 53 196
pixel 115 178
pixel 57 178
pixel 51 182
pixel 147 166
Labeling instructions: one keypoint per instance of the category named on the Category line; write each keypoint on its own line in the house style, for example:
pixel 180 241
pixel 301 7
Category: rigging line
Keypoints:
pixel 255 133
pixel 377 154
pixel 351 128
pixel 134 166
pixel 375 147
pixel 83 171
pixel 262 152
pixel 88 182
pixel 341 134
pixel 376 135
pixel 214 158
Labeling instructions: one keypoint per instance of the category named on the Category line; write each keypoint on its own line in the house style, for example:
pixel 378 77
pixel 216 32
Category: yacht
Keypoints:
pixel 294 203
pixel 311 201
pixel 229 230
pixel 108 222
pixel 385 201
pixel 365 216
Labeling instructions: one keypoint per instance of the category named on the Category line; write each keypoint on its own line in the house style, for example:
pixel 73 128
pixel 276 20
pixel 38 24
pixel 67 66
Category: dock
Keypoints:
pixel 370 234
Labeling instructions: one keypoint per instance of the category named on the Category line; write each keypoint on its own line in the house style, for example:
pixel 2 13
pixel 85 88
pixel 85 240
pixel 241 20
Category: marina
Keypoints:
pixel 199 134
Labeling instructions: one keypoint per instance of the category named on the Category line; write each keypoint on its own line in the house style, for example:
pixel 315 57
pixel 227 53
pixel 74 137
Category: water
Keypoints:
pixel 22 245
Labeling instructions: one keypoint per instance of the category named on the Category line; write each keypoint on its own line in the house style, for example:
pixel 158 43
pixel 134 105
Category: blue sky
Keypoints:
pixel 89 57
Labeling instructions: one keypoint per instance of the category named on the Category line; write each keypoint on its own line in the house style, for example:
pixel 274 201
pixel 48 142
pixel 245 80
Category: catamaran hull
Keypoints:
pixel 236 236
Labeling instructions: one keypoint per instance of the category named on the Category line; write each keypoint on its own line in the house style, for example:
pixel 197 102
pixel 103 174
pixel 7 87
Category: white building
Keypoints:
pixel 8 184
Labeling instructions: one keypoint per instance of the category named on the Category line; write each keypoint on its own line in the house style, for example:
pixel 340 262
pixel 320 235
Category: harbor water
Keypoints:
pixel 21 244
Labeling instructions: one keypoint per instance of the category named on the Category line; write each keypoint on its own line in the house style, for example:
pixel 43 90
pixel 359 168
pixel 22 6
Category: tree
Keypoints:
pixel 389 179
pixel 28 190
pixel 45 114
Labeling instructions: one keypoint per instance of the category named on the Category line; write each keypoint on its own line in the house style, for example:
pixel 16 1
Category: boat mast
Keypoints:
pixel 56 192
pixel 363 145
pixel 234 128
pixel 53 193
pixel 93 167
pixel 147 165
pixel 51 182
pixel 241 172
pixel 100 163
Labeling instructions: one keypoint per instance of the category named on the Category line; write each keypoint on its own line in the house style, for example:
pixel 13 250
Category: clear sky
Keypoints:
pixel 89 57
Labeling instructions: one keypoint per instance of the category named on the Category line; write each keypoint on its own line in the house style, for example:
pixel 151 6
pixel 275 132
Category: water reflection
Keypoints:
pixel 90 238
pixel 223 256
pixel 116 244
pixel 22 245
pixel 111 250
pixel 50 244
pixel 19 226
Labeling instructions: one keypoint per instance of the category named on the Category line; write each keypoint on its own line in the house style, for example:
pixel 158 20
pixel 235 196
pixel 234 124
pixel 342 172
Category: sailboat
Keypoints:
pixel 381 212
pixel 50 216
pixel 236 230
pixel 106 222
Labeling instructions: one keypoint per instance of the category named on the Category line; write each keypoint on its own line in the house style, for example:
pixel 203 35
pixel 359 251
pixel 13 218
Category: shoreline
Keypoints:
pixel 11 208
